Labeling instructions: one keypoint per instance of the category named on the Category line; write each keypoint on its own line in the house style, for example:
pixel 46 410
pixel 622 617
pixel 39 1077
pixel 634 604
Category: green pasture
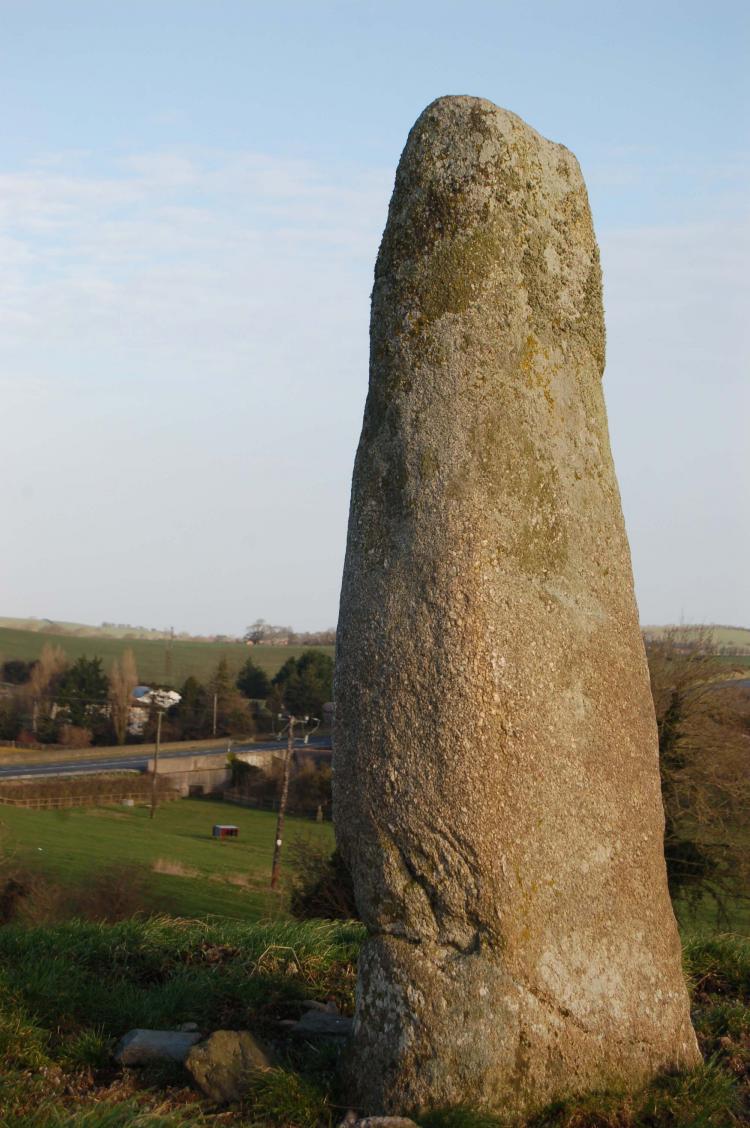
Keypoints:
pixel 736 661
pixel 157 659
pixel 704 916
pixel 192 874
pixel 722 636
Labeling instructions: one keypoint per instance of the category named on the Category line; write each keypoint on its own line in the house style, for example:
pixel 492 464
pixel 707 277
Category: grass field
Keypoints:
pixel 736 661
pixel 170 663
pixel 157 660
pixel 703 917
pixel 192 874
pixel 228 957
pixel 722 636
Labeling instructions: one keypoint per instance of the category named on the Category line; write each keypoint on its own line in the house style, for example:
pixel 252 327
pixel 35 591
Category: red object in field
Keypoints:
pixel 225 830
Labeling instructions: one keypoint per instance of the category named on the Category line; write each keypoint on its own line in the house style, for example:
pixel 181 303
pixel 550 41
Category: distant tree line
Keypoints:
pixel 55 701
pixel 262 632
pixel 259 631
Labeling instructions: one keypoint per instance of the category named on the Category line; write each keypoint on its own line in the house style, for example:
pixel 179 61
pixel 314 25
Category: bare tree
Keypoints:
pixel 704 752
pixel 123 679
pixel 40 688
pixel 52 662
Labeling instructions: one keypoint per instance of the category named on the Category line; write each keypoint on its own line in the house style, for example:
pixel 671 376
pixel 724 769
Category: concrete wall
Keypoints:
pixel 207 772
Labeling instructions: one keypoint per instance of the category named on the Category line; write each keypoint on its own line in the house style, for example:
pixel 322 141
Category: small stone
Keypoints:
pixel 351 1121
pixel 141 1047
pixel 223 1064
pixel 313 1004
pixel 323 1024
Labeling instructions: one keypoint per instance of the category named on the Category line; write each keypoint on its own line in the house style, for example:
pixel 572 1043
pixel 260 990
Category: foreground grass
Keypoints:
pixel 193 874
pixel 68 992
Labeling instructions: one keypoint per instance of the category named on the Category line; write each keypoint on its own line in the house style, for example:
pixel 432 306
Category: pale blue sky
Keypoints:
pixel 191 198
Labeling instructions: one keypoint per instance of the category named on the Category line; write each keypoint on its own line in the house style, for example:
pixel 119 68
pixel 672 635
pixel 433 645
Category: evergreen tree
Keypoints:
pixel 193 714
pixel 232 714
pixel 253 682
pixel 83 690
pixel 306 683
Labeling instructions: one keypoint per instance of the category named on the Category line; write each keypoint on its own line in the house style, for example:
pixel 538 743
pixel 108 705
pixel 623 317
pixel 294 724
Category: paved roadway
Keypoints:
pixel 138 761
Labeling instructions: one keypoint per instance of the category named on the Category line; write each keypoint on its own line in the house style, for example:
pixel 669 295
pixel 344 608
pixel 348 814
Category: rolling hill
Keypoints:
pixel 158 660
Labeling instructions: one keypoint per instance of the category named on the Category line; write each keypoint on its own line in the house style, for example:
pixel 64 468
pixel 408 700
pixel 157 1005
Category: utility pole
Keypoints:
pixel 276 867
pixel 216 707
pixel 161 699
pixel 159 715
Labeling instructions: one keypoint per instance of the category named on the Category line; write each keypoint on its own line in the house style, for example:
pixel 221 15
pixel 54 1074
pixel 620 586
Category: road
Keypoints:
pixel 135 761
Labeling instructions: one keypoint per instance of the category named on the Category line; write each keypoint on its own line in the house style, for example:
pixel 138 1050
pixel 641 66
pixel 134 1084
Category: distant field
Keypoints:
pixel 722 636
pixel 193 874
pixel 156 660
pixel 736 660
pixel 47 626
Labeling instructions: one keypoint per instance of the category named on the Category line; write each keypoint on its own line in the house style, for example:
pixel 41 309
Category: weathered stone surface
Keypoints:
pixel 223 1065
pixel 496 779
pixel 141 1047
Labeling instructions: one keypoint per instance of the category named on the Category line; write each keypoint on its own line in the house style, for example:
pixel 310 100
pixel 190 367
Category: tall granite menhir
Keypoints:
pixel 496 778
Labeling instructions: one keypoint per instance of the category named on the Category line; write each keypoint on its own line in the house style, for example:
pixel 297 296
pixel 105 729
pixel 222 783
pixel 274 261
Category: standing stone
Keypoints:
pixel 496 775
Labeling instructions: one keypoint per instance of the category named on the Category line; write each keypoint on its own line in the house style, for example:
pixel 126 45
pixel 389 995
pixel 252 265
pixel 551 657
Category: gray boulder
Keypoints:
pixel 352 1121
pixel 223 1065
pixel 323 1024
pixel 142 1047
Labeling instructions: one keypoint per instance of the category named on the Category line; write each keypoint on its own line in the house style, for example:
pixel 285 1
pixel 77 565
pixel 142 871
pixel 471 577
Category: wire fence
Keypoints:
pixel 321 813
pixel 59 802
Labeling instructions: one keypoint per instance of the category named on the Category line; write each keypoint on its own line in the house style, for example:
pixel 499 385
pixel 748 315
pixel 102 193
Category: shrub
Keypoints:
pixel 701 723
pixel 321 883
pixel 310 788
pixel 111 894
pixel 11 718
pixel 73 736
pixel 258 784
pixel 17 672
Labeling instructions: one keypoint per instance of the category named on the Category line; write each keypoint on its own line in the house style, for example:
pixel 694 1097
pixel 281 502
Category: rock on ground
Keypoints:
pixel 223 1064
pixel 323 1024
pixel 496 782
pixel 142 1047
pixel 352 1121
